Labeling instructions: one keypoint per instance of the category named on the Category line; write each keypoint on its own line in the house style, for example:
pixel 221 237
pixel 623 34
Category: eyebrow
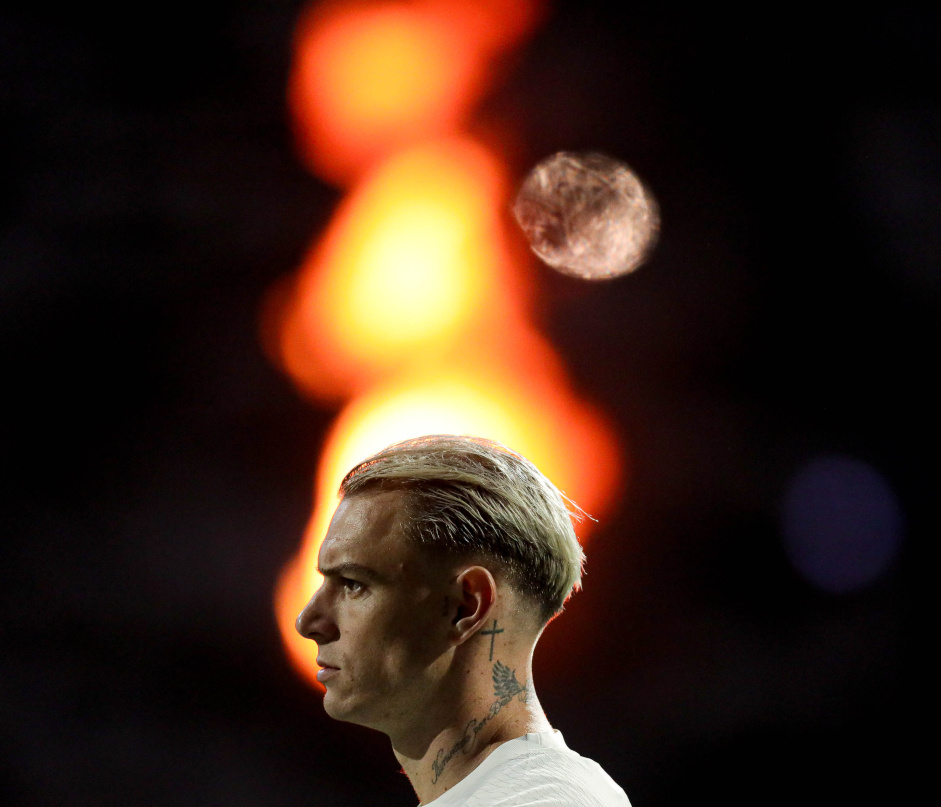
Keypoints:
pixel 352 569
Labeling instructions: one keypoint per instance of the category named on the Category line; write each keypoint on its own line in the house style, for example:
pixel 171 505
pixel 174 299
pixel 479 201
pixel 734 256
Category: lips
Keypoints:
pixel 326 671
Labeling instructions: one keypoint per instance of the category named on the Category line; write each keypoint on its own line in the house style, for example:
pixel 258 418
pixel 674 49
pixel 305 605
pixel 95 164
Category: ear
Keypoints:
pixel 478 596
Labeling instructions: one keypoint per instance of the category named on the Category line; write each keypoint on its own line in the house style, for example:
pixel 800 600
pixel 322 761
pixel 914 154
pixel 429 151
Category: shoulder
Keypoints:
pixel 548 777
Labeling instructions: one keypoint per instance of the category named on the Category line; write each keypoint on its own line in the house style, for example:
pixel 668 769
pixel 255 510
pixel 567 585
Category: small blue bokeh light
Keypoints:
pixel 841 524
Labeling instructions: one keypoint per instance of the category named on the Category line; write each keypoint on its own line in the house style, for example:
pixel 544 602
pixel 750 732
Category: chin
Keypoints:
pixel 337 708
pixel 346 712
pixel 332 707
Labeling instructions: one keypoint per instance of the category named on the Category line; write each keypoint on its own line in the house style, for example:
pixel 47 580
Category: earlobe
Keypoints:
pixel 478 596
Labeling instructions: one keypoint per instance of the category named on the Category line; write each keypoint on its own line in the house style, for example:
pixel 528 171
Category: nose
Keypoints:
pixel 314 622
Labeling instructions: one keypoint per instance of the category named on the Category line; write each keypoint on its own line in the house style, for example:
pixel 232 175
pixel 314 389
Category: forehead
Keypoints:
pixel 367 529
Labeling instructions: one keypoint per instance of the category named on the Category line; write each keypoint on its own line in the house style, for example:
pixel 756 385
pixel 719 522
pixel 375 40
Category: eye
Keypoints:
pixel 353 587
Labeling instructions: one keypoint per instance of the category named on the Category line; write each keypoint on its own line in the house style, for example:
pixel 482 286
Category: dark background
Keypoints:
pixel 158 471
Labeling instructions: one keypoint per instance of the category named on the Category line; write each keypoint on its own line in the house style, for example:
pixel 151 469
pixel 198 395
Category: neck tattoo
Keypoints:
pixel 505 688
pixel 492 633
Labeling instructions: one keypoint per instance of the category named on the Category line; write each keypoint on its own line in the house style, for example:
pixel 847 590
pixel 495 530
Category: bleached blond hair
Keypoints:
pixel 475 497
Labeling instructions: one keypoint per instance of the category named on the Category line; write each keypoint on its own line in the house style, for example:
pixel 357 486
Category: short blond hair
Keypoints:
pixel 472 496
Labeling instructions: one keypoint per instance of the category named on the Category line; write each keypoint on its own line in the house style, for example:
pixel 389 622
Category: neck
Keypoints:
pixel 503 707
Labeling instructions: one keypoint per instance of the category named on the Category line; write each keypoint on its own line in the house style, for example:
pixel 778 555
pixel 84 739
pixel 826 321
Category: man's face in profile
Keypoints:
pixel 377 618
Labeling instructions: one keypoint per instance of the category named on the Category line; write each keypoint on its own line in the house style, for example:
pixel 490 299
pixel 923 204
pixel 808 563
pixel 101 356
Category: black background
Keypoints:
pixel 158 471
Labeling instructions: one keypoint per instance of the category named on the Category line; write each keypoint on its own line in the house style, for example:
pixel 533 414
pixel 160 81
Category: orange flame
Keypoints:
pixel 412 307
pixel 411 260
pixel 369 78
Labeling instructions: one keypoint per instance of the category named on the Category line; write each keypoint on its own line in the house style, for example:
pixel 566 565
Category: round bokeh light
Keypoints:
pixel 587 215
pixel 841 523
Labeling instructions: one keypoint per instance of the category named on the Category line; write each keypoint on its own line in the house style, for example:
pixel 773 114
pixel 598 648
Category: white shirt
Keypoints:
pixel 535 770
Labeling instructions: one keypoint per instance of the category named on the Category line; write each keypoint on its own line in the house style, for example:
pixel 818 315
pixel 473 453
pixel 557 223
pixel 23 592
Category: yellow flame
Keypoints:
pixel 409 259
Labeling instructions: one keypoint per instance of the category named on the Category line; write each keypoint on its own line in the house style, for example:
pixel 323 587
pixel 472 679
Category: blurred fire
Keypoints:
pixel 413 308
pixel 411 264
pixel 371 77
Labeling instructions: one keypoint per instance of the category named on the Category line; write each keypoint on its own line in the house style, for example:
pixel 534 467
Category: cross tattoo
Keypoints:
pixel 492 633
